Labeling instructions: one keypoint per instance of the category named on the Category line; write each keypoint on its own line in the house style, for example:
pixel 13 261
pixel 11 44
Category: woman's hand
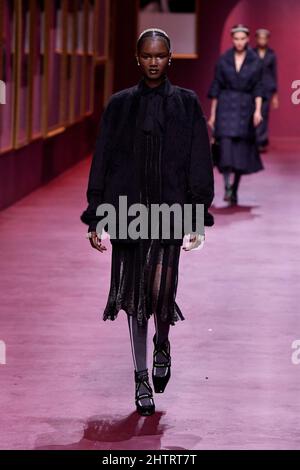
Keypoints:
pixel 257 118
pixel 211 121
pixel 96 242
pixel 195 241
pixel 275 101
pixel 213 112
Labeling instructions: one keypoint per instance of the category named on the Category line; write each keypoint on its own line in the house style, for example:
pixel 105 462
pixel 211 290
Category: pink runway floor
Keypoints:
pixel 68 378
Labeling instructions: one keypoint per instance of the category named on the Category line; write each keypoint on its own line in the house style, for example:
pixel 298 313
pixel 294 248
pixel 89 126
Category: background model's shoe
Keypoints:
pixel 228 193
pixel 143 393
pixel 161 371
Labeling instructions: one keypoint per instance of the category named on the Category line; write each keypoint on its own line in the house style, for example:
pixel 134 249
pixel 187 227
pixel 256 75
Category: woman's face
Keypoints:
pixel 262 40
pixel 240 41
pixel 153 57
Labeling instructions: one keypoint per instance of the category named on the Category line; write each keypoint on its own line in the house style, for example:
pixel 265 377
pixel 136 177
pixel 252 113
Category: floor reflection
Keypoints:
pixel 132 432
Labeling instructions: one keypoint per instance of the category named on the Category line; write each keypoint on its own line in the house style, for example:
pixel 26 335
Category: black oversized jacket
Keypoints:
pixel 186 164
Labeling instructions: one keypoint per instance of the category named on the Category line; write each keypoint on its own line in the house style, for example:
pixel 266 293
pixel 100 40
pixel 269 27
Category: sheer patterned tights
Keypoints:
pixel 138 333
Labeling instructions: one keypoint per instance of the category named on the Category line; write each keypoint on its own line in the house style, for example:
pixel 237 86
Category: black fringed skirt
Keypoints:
pixel 144 274
pixel 144 279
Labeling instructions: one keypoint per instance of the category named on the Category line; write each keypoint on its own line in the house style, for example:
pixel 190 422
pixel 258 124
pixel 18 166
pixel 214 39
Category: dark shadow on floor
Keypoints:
pixel 237 213
pixel 132 432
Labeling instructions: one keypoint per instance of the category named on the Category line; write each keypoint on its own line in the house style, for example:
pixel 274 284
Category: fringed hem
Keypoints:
pixel 144 280
pixel 112 314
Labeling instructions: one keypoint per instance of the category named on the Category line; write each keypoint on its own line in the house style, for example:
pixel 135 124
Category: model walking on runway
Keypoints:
pixel 237 93
pixel 269 60
pixel 153 147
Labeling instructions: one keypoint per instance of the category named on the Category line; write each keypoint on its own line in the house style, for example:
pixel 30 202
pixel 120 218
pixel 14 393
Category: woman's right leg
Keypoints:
pixel 227 185
pixel 226 176
pixel 138 339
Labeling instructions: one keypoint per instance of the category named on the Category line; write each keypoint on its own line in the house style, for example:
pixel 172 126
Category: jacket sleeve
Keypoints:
pixel 217 82
pixel 98 170
pixel 259 89
pixel 200 174
pixel 274 73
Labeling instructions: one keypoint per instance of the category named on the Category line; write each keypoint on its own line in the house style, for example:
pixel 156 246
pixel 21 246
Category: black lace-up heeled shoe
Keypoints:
pixel 148 408
pixel 160 381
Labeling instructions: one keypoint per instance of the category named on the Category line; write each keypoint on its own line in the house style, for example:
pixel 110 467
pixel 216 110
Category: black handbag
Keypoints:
pixel 215 152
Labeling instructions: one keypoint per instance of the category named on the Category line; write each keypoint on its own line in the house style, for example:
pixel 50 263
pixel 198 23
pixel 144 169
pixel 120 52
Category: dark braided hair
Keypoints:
pixel 153 33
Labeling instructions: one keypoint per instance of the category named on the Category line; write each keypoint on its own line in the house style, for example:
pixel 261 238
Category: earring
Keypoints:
pixel 169 62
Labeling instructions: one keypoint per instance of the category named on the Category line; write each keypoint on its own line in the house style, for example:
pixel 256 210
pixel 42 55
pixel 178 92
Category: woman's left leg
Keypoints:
pixel 163 286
